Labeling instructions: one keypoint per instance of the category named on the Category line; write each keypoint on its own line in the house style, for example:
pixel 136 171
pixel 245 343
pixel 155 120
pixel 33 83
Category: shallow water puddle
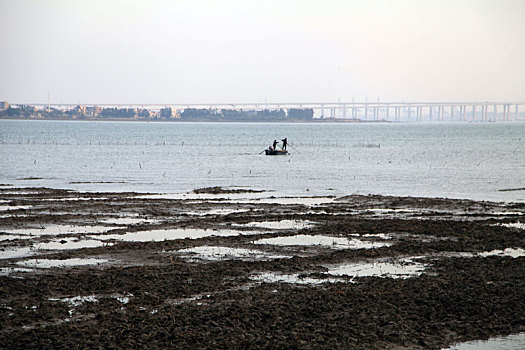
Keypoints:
pixel 23 192
pixel 508 342
pixel 507 213
pixel 170 234
pixel 404 268
pixel 295 278
pixel 71 243
pixel 511 252
pixel 392 210
pixel 127 221
pixel 49 263
pixel 309 201
pixel 281 225
pixel 13 237
pixel 372 235
pixel 515 225
pixel 54 230
pixel 14 207
pixel 6 271
pixel 75 199
pixel 17 252
pixel 219 211
pixel 205 196
pixel 325 241
pixel 228 253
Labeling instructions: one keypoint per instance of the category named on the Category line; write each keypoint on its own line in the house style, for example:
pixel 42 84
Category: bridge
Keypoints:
pixel 359 110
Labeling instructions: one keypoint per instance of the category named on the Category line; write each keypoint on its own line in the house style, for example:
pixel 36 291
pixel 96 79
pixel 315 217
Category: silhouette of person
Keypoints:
pixel 274 144
pixel 285 142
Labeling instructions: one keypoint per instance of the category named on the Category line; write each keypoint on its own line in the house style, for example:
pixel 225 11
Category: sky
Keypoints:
pixel 247 51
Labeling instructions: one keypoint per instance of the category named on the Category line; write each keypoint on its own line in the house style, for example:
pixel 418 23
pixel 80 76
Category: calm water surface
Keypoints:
pixel 455 160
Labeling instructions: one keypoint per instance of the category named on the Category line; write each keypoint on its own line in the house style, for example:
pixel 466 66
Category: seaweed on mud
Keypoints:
pixel 149 296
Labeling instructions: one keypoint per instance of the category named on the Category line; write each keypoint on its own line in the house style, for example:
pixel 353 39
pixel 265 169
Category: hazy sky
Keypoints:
pixel 191 51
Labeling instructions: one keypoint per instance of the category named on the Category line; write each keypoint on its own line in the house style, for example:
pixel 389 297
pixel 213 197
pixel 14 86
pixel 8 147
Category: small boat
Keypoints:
pixel 276 152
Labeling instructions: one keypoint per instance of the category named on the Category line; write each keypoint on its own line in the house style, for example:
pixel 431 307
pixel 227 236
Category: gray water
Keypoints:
pixel 455 160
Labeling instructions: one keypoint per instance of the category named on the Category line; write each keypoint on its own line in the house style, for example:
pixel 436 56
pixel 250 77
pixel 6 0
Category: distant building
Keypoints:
pixel 93 111
pixel 4 105
pixel 169 112
pixel 80 110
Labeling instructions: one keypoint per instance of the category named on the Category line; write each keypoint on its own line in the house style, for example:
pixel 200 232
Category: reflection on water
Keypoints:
pixel 282 225
pixel 228 253
pixel 127 221
pixel 170 234
pixel 71 243
pixel 402 268
pixel 515 224
pixel 17 252
pixel 459 160
pixel 219 211
pixel 512 252
pixel 399 269
pixel 48 263
pixel 295 278
pixel 509 342
pixel 310 201
pixel 325 241
pixel 14 207
pixel 61 230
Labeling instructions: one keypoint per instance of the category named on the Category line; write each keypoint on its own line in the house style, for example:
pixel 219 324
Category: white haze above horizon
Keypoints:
pixel 251 51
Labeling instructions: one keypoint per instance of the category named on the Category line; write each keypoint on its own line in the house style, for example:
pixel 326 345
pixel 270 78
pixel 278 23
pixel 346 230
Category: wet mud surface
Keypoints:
pixel 70 277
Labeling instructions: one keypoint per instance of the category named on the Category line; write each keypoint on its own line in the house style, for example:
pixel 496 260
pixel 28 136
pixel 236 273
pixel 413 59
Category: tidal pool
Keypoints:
pixel 6 271
pixel 280 225
pixel 13 237
pixel 403 268
pixel 508 342
pixel 14 207
pixel 218 211
pixel 324 241
pixel 512 252
pixel 171 234
pixel 49 263
pixel 295 278
pixel 71 243
pixel 127 221
pixel 308 201
pixel 515 224
pixel 16 252
pixel 54 230
pixel 228 253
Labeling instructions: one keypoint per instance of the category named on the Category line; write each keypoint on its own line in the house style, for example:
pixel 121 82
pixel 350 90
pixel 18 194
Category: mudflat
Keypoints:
pixel 244 268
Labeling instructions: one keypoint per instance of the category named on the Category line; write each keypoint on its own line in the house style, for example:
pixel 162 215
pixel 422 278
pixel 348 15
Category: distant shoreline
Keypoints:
pixel 179 120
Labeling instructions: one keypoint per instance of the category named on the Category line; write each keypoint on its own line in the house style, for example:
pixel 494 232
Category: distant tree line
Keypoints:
pixel 197 114
pixel 124 112
pixel 247 115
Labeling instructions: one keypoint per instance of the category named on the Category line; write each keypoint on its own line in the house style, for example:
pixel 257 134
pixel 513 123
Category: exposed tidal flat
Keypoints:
pixel 237 268
pixel 157 235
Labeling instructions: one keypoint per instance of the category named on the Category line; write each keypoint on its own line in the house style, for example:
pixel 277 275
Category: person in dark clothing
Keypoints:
pixel 285 142
pixel 274 144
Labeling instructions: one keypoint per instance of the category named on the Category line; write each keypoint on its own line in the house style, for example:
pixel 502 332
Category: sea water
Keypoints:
pixel 484 161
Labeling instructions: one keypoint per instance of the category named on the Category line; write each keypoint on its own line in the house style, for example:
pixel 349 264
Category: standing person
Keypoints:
pixel 285 142
pixel 274 144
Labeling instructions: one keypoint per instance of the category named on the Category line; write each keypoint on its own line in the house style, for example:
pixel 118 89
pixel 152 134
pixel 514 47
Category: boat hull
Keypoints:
pixel 275 152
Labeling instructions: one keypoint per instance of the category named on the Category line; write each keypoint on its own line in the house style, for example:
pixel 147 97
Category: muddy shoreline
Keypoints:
pixel 230 268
